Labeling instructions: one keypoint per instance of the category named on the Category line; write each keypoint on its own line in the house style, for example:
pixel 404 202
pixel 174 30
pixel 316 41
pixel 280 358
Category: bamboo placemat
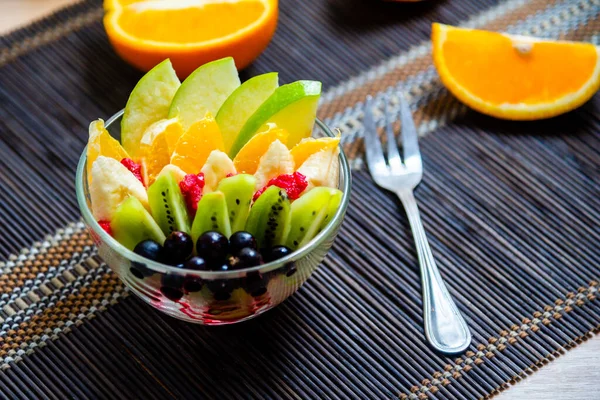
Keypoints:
pixel 511 209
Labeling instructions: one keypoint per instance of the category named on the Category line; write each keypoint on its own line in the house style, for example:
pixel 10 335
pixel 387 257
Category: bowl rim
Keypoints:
pixel 165 268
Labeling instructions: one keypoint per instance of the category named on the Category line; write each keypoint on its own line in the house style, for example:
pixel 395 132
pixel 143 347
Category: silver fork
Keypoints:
pixel 445 328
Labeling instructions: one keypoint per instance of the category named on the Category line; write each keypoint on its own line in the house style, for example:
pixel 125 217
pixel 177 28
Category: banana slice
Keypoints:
pixel 276 161
pixel 111 184
pixel 322 169
pixel 177 172
pixel 218 165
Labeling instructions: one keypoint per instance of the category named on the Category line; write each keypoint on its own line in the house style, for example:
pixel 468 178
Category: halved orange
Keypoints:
pixel 112 4
pixel 515 77
pixel 194 146
pixel 247 159
pixel 190 32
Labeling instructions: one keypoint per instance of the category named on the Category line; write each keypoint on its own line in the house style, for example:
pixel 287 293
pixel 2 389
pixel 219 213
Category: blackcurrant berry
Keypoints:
pixel 196 263
pixel 275 253
pixel 241 240
pixel 177 248
pixel 212 246
pixel 248 257
pixel 149 249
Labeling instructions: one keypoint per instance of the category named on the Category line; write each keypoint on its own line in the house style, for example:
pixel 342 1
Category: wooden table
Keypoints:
pixel 575 375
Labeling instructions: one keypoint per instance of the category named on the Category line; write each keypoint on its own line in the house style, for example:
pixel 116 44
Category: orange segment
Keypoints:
pixel 193 147
pixel 246 160
pixel 100 143
pixel 158 157
pixel 310 146
pixel 515 77
pixel 154 150
pixel 190 33
pixel 172 130
pixel 172 134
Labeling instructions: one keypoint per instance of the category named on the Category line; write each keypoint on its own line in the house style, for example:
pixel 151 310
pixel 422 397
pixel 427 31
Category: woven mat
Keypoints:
pixel 512 211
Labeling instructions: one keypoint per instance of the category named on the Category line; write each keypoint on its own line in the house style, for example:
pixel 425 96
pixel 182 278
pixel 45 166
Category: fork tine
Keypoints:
pixel 394 159
pixel 373 150
pixel 410 141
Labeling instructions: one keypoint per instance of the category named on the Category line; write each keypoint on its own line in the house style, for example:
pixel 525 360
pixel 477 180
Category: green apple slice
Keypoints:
pixel 148 102
pixel 206 89
pixel 292 107
pixel 242 103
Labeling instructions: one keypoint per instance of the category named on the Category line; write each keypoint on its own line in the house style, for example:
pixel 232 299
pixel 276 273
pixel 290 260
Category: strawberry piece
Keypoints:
pixel 229 175
pixel 258 193
pixel 191 187
pixel 135 168
pixel 106 226
pixel 294 184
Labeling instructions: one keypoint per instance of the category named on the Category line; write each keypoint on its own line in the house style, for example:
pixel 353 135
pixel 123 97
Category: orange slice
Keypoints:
pixel 100 143
pixel 193 147
pixel 154 149
pixel 172 129
pixel 310 146
pixel 247 159
pixel 190 32
pixel 515 77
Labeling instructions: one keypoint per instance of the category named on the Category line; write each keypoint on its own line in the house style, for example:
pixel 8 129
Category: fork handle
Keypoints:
pixel 445 328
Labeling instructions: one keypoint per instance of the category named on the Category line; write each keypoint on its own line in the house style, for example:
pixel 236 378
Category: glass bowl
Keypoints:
pixel 206 297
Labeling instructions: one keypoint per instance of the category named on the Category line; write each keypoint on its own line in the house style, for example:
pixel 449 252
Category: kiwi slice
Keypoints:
pixel 308 212
pixel 132 224
pixel 168 205
pixel 211 215
pixel 238 191
pixel 269 218
pixel 334 204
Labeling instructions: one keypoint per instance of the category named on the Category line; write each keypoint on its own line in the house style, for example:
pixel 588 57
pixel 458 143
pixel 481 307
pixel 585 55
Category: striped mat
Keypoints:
pixel 512 211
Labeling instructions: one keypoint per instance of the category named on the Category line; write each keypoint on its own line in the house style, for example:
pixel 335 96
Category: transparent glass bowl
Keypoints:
pixel 212 298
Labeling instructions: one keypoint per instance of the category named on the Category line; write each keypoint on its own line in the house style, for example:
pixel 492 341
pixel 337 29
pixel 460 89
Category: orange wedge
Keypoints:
pixel 100 143
pixel 515 77
pixel 193 147
pixel 154 149
pixel 246 160
pixel 310 146
pixel 190 32
pixel 172 130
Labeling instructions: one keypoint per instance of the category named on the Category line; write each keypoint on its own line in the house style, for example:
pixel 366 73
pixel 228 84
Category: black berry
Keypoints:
pixel 149 249
pixel 171 285
pixel 177 248
pixel 248 257
pixel 255 284
pixel 221 289
pixel 275 253
pixel 290 269
pixel 171 293
pixel 213 247
pixel 241 240
pixel 222 267
pixel 192 284
pixel 196 263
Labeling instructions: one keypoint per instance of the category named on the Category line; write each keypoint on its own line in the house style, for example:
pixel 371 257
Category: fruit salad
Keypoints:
pixel 211 174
